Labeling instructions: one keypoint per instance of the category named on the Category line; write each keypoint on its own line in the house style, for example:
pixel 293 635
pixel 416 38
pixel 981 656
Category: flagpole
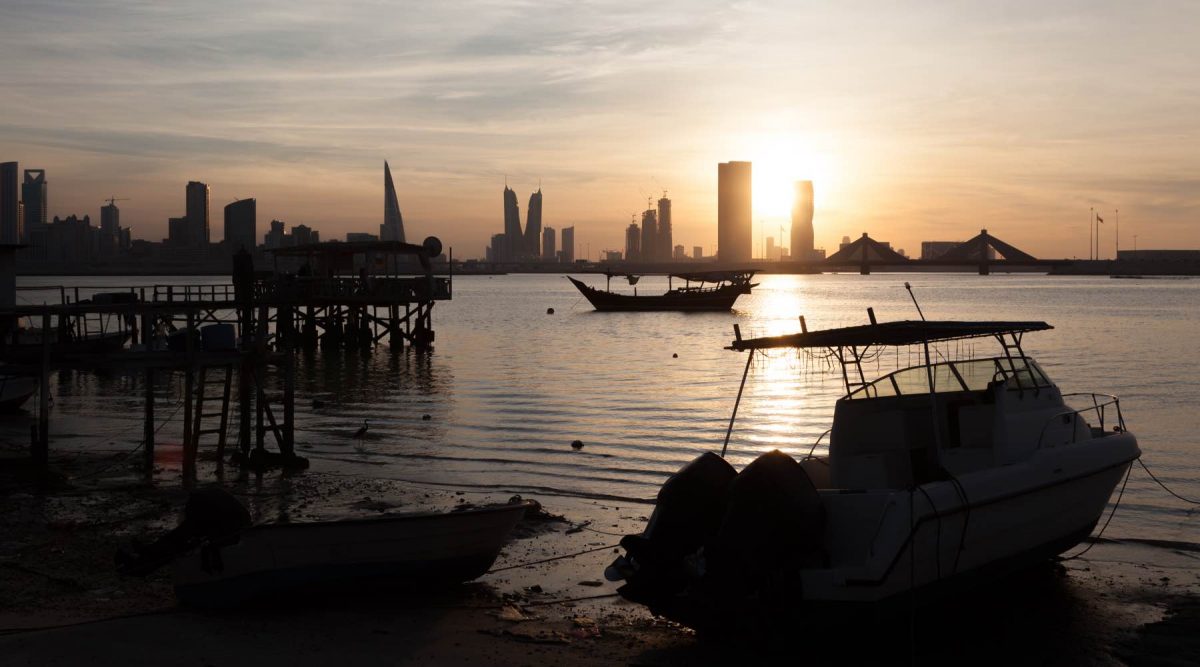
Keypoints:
pixel 1091 225
pixel 1117 252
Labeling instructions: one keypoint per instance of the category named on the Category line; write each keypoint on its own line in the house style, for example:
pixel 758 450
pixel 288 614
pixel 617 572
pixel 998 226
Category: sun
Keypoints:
pixel 778 162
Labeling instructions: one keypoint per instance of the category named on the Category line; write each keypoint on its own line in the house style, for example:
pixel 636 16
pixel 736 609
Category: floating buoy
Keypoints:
pixel 549 311
pixel 675 355
pixel 426 417
pixel 576 444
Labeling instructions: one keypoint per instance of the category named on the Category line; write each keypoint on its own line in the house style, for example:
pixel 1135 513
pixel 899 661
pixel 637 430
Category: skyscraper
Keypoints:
pixel 568 245
pixel 533 225
pixel 649 235
pixel 513 240
pixel 110 226
pixel 802 219
pixel 10 210
pixel 34 196
pixel 392 228
pixel 633 242
pixel 734 230
pixel 548 244
pixel 197 213
pixel 241 225
pixel 665 243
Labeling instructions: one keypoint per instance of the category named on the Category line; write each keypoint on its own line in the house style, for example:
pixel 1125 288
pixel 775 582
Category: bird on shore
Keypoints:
pixel 361 432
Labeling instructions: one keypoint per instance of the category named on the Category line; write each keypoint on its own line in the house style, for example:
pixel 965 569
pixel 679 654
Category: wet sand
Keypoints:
pixel 61 602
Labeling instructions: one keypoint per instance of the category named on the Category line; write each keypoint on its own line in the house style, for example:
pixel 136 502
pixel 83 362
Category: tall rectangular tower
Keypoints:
pixel 665 243
pixel 734 200
pixel 568 245
pixel 10 210
pixel 533 225
pixel 34 195
pixel 649 235
pixel 241 225
pixel 802 222
pixel 548 244
pixel 197 213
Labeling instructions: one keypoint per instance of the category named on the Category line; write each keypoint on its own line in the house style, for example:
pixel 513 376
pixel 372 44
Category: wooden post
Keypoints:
pixel 41 445
pixel 287 447
pixel 260 344
pixel 189 385
pixel 148 431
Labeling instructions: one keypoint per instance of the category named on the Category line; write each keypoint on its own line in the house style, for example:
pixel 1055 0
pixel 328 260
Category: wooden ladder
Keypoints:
pixel 203 382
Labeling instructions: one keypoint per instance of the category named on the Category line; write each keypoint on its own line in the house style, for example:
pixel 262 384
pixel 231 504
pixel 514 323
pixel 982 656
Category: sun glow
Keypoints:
pixel 781 161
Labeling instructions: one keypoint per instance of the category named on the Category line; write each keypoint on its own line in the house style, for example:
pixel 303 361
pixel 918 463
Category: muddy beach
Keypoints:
pixel 62 603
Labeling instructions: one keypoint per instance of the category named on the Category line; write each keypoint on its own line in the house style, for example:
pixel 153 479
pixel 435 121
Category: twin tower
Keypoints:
pixel 735 228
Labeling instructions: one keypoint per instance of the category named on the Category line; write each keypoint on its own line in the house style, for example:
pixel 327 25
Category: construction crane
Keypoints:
pixel 110 200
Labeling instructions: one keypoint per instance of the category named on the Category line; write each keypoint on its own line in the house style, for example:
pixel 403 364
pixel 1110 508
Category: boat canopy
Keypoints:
pixel 906 332
pixel 715 276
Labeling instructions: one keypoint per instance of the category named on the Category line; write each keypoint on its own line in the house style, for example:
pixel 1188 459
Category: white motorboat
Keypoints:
pixel 937 475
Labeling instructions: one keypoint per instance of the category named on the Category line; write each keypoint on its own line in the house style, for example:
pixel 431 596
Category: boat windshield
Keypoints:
pixel 954 376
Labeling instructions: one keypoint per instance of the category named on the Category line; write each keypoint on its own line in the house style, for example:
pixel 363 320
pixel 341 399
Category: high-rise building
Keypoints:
pixel 241 225
pixel 769 251
pixel 649 235
pixel 633 242
pixel 665 243
pixel 496 251
pixel 392 228
pixel 548 244
pixel 34 196
pixel 802 222
pixel 680 252
pixel 178 232
pixel 513 240
pixel 568 245
pixel 274 238
pixel 303 235
pixel 110 228
pixel 10 209
pixel 533 225
pixel 197 213
pixel 697 252
pixel 734 200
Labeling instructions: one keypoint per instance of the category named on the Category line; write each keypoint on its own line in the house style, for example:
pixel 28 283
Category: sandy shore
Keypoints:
pixel 61 602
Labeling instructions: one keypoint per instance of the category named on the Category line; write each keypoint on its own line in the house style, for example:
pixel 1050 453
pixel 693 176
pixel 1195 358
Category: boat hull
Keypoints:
pixel 881 554
pixel 719 299
pixel 15 390
pixel 408 550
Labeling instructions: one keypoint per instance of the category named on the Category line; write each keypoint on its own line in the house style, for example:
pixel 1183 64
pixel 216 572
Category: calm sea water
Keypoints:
pixel 508 386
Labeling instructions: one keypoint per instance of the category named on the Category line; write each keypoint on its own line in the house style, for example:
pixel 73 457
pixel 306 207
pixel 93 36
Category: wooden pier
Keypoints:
pixel 222 336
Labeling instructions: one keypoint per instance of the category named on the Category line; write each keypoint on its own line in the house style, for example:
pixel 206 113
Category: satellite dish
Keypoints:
pixel 432 245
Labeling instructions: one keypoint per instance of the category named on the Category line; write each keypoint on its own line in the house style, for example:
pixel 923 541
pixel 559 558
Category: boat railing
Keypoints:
pixel 961 375
pixel 818 442
pixel 1100 406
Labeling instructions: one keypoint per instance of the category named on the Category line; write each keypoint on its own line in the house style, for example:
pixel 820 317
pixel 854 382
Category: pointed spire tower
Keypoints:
pixel 392 228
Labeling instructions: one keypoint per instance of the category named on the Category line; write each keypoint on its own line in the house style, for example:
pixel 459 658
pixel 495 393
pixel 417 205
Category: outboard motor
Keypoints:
pixel 211 513
pixel 687 515
pixel 773 524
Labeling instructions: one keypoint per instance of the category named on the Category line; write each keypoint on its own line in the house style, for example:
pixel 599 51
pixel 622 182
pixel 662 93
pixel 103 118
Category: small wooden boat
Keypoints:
pixel 714 291
pixel 15 390
pixel 407 550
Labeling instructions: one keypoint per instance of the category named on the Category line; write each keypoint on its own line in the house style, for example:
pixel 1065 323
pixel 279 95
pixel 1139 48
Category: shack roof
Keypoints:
pixel 350 248
pixel 906 332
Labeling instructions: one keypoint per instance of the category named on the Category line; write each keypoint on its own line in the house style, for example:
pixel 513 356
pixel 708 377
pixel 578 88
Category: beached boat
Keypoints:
pixel 713 291
pixel 15 390
pixel 407 550
pixel 938 475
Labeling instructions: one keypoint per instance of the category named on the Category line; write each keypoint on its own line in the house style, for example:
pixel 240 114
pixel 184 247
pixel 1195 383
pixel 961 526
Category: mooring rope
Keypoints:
pixel 551 560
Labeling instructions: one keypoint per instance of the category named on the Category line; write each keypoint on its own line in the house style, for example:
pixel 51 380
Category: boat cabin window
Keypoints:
pixel 953 376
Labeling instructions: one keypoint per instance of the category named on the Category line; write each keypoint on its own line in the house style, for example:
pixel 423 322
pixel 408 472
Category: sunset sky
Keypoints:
pixel 917 121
